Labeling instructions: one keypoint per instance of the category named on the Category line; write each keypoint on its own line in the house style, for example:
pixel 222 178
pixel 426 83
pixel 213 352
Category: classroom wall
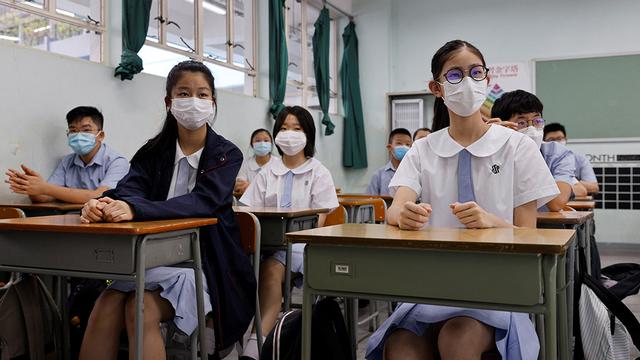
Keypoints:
pixel 38 88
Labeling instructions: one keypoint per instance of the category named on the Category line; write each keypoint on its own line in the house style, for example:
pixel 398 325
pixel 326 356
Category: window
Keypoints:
pixel 218 32
pixel 300 18
pixel 68 27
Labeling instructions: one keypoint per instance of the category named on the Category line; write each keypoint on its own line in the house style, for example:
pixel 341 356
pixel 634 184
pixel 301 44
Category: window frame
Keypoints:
pixel 48 11
pixel 307 91
pixel 252 68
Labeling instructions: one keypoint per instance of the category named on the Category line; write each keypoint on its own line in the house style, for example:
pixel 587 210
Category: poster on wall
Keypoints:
pixel 506 77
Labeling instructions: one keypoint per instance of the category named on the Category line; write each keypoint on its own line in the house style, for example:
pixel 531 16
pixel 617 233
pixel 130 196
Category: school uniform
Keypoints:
pixel 310 185
pixel 584 170
pixel 561 162
pixel 156 188
pixel 105 169
pixel 500 171
pixel 250 168
pixel 379 184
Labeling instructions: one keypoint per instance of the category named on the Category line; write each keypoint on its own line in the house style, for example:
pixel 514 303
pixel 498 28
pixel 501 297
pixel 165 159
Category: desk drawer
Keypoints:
pixel 487 277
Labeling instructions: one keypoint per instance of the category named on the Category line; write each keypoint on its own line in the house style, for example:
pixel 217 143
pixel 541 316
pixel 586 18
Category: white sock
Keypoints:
pixel 251 348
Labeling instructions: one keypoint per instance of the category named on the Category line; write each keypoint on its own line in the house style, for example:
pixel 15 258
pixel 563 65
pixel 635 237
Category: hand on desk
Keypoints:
pixel 106 209
pixel 27 183
pixel 473 216
pixel 414 216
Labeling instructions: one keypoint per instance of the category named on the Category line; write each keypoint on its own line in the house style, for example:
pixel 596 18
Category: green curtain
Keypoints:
pixel 135 22
pixel 278 56
pixel 354 146
pixel 321 66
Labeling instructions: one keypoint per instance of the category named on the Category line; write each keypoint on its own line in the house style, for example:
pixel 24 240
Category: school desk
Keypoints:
pixel 274 224
pixel 61 245
pixel 50 207
pixel 520 270
pixel 582 205
pixel 583 198
pixel 359 210
pixel 387 198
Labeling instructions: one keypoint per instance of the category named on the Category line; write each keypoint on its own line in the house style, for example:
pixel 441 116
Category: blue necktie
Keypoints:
pixel 465 181
pixel 182 178
pixel 285 201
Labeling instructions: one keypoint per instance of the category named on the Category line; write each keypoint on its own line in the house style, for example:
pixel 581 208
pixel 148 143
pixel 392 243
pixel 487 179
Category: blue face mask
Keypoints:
pixel 261 148
pixel 82 142
pixel 399 151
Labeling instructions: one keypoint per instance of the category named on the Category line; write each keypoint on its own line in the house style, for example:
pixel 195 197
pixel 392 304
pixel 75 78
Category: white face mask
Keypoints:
pixel 192 113
pixel 535 134
pixel 291 142
pixel 465 97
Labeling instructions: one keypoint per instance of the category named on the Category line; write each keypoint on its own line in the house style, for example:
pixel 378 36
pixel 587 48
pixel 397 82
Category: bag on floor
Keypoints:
pixel 329 337
pixel 603 323
pixel 626 276
pixel 29 321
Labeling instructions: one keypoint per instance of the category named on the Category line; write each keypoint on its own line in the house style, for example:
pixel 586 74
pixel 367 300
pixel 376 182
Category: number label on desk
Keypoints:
pixel 342 269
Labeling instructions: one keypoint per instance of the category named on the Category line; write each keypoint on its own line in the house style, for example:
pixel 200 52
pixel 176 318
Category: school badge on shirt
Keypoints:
pixel 495 169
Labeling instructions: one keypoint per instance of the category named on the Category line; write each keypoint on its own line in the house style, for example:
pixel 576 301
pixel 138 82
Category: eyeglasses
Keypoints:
pixel 456 75
pixel 538 123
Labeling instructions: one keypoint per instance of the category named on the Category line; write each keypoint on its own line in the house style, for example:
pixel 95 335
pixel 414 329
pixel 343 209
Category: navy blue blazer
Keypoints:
pixel 232 284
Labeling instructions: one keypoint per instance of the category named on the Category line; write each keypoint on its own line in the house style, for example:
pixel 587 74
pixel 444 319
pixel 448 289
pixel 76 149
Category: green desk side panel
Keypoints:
pixel 593 97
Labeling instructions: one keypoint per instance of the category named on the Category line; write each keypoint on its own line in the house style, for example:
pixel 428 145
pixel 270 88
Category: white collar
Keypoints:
pixel 252 164
pixel 193 159
pixel 443 145
pixel 278 168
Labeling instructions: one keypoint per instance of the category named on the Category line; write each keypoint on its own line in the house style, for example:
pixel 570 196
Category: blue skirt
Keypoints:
pixel 515 335
pixel 179 288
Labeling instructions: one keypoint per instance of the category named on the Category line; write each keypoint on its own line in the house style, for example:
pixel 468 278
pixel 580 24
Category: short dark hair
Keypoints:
pixel 258 131
pixel 82 112
pixel 421 129
pixel 398 131
pixel 553 127
pixel 514 103
pixel 306 122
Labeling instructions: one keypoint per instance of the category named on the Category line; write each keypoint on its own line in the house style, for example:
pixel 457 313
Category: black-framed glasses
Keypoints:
pixel 456 75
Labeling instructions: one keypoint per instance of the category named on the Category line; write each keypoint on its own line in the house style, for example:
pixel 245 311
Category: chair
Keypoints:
pixel 336 216
pixel 380 211
pixel 11 213
pixel 250 238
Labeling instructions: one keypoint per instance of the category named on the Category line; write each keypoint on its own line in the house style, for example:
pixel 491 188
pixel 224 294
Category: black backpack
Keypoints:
pixel 329 337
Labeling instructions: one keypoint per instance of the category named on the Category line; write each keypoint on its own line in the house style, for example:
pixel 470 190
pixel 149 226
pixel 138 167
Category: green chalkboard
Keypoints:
pixel 593 97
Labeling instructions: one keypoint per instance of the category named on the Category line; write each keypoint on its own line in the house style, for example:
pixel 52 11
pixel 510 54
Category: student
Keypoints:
pixel 420 133
pixel 522 111
pixel 470 174
pixel 398 145
pixel 298 181
pixel 261 144
pixel 187 170
pixel 92 168
pixel 584 171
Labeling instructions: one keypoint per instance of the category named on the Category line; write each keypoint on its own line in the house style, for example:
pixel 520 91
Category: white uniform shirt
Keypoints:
pixel 507 170
pixel 193 160
pixel 250 168
pixel 312 186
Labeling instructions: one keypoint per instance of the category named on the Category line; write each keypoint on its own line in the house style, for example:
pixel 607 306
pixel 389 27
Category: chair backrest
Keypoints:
pixel 336 216
pixel 379 210
pixel 11 213
pixel 249 231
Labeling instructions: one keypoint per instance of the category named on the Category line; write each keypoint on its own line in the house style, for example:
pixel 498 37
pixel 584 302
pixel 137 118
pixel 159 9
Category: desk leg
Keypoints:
pixel 140 269
pixel 586 234
pixel 352 217
pixel 351 312
pixel 563 320
pixel 197 268
pixel 550 263
pixel 307 309
pixel 287 280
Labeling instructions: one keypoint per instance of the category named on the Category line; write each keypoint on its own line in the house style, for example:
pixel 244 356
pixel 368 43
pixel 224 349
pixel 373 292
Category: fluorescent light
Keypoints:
pixel 41 29
pixel 211 7
pixel 65 12
pixel 10 38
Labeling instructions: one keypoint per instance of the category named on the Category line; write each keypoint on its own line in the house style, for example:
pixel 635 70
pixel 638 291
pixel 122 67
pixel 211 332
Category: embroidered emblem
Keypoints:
pixel 495 168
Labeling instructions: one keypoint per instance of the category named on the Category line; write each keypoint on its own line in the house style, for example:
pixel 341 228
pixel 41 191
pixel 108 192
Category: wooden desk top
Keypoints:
pixel 349 201
pixel 564 217
pixel 582 205
pixel 538 241
pixel 583 198
pixel 366 196
pixel 59 206
pixel 71 224
pixel 275 211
